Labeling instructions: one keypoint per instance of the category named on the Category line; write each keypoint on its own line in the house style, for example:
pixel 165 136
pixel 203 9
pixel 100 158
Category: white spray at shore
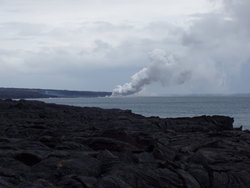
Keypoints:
pixel 166 69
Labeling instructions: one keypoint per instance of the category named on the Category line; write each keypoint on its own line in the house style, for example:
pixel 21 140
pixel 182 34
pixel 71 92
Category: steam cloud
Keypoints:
pixel 210 60
pixel 167 70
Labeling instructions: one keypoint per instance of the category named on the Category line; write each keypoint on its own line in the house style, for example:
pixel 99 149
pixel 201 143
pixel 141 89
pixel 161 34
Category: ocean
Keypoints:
pixel 237 106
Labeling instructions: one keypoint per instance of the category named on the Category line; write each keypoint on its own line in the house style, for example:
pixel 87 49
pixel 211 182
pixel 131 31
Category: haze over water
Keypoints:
pixel 181 106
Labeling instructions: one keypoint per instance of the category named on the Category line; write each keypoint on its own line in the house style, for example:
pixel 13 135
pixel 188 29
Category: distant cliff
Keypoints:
pixel 22 93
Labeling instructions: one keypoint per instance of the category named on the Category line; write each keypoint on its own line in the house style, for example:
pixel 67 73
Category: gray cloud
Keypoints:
pixel 213 45
pixel 24 29
pixel 223 38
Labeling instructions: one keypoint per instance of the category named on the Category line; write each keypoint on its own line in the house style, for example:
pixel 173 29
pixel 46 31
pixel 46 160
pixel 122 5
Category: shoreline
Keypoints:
pixel 50 145
pixel 170 106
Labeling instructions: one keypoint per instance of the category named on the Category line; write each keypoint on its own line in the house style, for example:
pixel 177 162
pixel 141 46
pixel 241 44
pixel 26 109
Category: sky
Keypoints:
pixel 103 45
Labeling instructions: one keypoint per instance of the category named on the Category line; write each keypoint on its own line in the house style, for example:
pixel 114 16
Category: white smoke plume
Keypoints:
pixel 212 53
pixel 167 70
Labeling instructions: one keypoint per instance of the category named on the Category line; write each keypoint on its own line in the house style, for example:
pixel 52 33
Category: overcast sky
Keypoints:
pixel 99 44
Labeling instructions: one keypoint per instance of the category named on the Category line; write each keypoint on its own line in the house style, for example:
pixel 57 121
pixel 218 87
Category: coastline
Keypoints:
pixel 49 145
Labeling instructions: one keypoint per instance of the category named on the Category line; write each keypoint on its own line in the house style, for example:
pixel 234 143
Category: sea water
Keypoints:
pixel 237 107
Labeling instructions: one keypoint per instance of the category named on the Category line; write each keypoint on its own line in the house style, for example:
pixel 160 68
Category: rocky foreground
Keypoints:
pixel 57 146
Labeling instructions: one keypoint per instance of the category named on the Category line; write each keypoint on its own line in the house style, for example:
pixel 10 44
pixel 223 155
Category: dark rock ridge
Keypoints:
pixel 56 146
pixel 23 93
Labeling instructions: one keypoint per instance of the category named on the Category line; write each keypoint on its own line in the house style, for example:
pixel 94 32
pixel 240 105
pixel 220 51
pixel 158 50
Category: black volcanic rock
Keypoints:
pixel 57 146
